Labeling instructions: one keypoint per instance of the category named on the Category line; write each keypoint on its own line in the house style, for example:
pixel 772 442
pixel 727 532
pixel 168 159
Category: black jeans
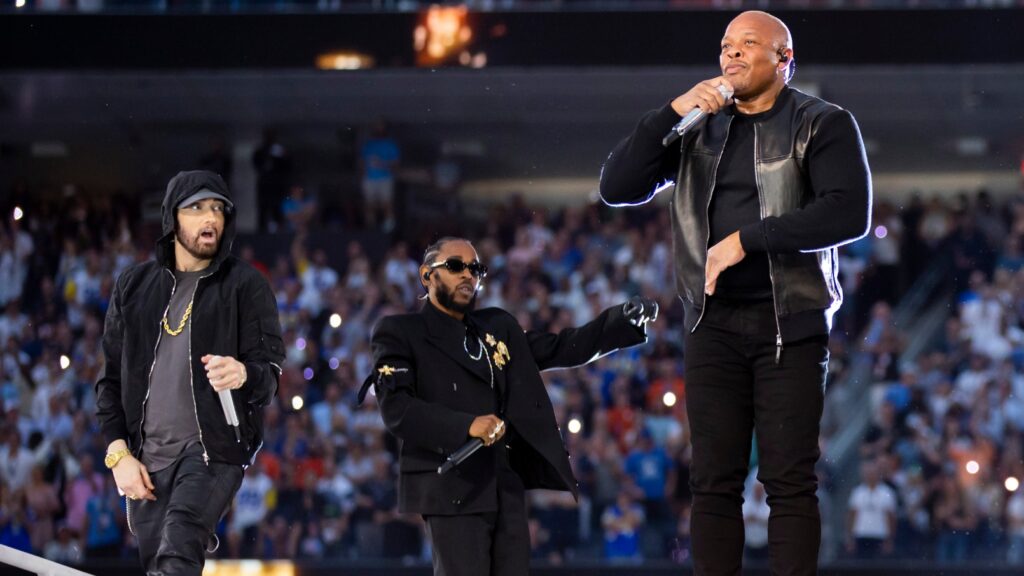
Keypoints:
pixel 733 387
pixel 191 497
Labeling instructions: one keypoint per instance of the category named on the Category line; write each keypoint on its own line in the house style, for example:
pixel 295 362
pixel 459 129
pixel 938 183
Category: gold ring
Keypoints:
pixel 130 497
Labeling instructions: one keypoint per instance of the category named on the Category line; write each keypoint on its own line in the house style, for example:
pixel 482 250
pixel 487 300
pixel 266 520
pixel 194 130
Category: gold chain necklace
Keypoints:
pixel 181 325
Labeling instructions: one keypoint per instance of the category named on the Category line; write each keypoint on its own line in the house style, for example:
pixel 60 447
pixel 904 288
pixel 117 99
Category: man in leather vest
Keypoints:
pixel 450 374
pixel 766 189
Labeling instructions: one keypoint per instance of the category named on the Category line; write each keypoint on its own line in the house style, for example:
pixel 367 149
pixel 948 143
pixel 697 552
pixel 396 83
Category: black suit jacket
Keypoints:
pixel 429 390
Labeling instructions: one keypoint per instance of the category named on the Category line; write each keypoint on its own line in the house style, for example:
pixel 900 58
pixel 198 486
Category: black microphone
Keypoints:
pixel 460 455
pixel 467 450
pixel 692 117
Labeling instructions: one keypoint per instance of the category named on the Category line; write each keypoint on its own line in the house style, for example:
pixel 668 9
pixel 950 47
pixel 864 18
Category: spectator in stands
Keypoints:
pixel 954 519
pixel 65 549
pixel 273 164
pixel 1015 528
pixel 298 209
pixel 871 519
pixel 378 159
pixel 622 522
pixel 755 520
pixel 16 462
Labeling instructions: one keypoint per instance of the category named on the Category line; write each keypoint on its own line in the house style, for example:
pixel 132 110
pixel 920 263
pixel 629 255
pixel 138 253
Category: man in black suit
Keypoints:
pixel 450 374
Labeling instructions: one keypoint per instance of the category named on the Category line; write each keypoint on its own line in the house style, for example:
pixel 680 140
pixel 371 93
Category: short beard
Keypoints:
pixel 193 247
pixel 446 298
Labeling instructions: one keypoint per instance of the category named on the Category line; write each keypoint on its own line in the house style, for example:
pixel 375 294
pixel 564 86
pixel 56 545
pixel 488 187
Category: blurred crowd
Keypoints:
pixel 944 456
pixel 324 483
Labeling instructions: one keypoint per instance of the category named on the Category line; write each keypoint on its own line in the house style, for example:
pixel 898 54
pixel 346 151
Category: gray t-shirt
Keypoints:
pixel 171 424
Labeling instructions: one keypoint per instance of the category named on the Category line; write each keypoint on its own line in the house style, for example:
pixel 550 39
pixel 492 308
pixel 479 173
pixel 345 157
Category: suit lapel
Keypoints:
pixel 448 343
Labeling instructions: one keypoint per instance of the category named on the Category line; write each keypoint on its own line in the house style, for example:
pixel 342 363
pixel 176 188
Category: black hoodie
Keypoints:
pixel 234 313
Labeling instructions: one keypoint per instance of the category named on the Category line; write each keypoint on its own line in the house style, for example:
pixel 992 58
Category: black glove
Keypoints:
pixel 639 311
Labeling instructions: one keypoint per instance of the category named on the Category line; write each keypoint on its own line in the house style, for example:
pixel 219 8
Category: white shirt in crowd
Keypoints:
pixel 755 520
pixel 871 508
pixel 251 501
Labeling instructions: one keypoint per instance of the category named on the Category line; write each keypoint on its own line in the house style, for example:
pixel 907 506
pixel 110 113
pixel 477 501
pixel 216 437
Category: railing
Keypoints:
pixel 35 564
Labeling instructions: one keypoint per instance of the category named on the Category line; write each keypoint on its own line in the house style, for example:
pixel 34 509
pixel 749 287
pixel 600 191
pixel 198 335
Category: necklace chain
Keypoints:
pixel 479 354
pixel 465 346
pixel 181 325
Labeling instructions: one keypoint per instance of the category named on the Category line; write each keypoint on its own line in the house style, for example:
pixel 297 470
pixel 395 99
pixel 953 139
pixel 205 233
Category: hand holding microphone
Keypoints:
pixel 485 430
pixel 489 429
pixel 226 374
pixel 707 97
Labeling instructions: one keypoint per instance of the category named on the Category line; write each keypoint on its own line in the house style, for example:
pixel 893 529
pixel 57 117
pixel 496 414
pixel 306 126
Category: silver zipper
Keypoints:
pixel 707 218
pixel 128 514
pixel 771 268
pixel 149 379
pixel 191 375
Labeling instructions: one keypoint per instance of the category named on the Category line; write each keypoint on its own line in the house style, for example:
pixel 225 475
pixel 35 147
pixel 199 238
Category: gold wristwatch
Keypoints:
pixel 112 458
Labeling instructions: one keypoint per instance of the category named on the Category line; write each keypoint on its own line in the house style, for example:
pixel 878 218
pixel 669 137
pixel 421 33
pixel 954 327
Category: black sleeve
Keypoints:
pixel 109 409
pixel 639 165
pixel 577 346
pixel 841 182
pixel 260 346
pixel 428 425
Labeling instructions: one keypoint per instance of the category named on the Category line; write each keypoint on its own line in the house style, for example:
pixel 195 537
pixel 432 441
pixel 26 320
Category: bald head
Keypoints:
pixel 766 24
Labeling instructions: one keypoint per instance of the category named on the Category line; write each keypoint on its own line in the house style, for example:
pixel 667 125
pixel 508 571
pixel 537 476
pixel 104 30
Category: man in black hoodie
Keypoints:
pixel 187 334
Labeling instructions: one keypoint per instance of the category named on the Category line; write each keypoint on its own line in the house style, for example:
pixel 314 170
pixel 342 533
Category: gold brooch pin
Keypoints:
pixel 386 370
pixel 490 340
pixel 499 360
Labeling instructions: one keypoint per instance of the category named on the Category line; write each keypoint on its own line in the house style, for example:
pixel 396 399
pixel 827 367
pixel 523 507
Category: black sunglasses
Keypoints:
pixel 456 266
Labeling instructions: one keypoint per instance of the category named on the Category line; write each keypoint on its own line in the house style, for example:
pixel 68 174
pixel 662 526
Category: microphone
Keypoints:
pixel 460 455
pixel 467 450
pixel 227 403
pixel 692 117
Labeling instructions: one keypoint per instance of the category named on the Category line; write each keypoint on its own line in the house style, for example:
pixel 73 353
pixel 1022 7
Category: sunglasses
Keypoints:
pixel 456 266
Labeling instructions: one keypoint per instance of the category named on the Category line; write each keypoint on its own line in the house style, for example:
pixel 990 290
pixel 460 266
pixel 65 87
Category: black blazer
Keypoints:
pixel 429 390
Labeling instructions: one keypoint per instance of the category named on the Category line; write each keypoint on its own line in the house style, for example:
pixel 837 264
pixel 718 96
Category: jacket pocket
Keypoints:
pixel 271 341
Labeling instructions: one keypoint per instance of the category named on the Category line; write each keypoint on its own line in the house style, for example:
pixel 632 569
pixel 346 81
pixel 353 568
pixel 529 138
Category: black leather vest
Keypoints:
pixel 801 281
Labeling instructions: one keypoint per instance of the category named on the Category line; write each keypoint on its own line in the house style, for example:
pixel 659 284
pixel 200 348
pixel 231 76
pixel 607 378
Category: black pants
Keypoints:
pixel 492 543
pixel 733 387
pixel 191 497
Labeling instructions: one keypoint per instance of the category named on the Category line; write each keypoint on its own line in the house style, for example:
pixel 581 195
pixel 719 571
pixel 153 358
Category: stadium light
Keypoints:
pixel 972 467
pixel 18 213
pixel 335 320
pixel 1012 484
pixel 307 373
pixel 575 426
pixel 669 399
pixel 344 60
pixel 65 362
pixel 297 402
